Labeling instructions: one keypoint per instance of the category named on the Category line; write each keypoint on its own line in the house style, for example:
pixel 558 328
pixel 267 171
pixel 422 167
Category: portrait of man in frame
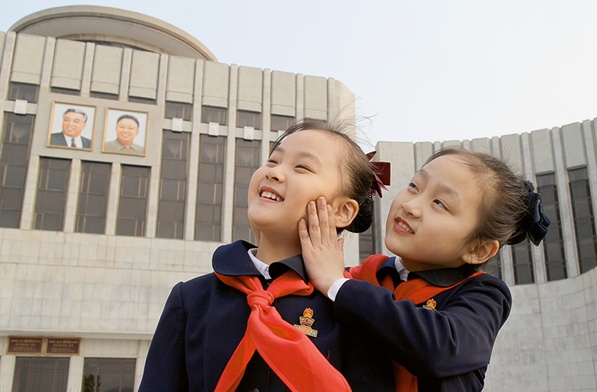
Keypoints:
pixel 71 126
pixel 125 132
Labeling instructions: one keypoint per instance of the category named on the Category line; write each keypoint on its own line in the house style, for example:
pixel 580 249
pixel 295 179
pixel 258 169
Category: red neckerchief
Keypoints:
pixel 417 290
pixel 276 340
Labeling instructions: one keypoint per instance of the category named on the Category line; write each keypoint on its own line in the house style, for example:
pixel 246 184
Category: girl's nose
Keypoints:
pixel 411 208
pixel 274 174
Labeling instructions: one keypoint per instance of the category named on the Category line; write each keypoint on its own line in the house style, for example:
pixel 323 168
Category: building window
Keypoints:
pixel 179 110
pixel 24 91
pixel 132 207
pixel 33 374
pixel 367 242
pixel 208 218
pixel 214 115
pixel 553 243
pixel 110 96
pixel 246 162
pixel 281 123
pixel 51 193
pixel 248 119
pixel 146 101
pixel 108 374
pixel 14 154
pixel 173 185
pixel 522 263
pixel 65 91
pixel 93 197
pixel 583 218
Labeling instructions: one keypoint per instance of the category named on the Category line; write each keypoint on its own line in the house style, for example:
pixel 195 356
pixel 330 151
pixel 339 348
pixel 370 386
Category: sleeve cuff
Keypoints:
pixel 335 287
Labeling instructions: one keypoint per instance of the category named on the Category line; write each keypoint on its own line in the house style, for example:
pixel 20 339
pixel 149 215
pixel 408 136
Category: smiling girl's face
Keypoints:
pixel 304 166
pixel 431 221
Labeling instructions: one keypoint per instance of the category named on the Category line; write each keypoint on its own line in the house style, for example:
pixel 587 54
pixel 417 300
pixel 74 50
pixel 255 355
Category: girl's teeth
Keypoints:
pixel 405 227
pixel 270 195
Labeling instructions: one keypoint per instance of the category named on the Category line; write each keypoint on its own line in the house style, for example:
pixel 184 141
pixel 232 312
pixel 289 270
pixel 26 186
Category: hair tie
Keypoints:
pixel 534 223
pixel 381 173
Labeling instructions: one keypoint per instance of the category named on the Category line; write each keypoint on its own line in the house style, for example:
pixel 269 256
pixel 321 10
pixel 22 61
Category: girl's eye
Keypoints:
pixel 440 203
pixel 303 167
pixel 413 186
pixel 273 161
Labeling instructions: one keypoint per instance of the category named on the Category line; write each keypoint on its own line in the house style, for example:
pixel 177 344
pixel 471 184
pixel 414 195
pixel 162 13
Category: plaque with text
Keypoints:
pixel 63 345
pixel 24 345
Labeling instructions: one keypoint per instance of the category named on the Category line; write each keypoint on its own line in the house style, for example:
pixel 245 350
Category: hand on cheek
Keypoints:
pixel 322 250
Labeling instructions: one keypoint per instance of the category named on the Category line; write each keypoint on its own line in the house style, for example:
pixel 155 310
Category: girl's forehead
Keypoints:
pixel 310 138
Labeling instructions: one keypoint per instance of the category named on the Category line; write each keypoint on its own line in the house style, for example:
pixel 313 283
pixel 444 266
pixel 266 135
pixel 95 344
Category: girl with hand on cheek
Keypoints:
pixel 256 323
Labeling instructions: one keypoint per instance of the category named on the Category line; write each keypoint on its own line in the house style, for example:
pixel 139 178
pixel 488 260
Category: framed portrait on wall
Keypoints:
pixel 125 132
pixel 71 126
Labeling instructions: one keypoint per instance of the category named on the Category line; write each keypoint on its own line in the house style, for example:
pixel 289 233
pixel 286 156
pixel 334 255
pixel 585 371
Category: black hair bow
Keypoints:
pixel 534 224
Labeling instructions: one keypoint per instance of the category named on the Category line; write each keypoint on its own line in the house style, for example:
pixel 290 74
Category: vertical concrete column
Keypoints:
pixel 228 202
pixel 564 204
pixel 75 374
pixel 7 370
pixel 70 210
pixel 193 178
pixel 113 199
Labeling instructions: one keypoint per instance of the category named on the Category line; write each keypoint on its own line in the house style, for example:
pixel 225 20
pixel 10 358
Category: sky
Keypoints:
pixel 430 70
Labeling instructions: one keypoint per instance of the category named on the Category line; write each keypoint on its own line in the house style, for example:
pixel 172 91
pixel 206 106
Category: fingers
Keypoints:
pixel 323 216
pixel 314 223
pixel 319 228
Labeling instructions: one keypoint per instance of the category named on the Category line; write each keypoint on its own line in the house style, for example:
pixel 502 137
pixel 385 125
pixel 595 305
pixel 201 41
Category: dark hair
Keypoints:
pixel 357 173
pixel 129 116
pixel 508 206
pixel 79 111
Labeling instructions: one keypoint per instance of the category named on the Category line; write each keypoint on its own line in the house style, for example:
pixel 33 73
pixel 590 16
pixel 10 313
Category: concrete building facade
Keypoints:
pixel 92 238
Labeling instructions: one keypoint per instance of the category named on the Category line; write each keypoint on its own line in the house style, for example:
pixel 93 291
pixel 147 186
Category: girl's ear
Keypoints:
pixel 345 212
pixel 481 252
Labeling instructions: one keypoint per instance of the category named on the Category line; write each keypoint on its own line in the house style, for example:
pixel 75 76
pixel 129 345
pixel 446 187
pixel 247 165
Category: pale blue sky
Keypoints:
pixel 424 70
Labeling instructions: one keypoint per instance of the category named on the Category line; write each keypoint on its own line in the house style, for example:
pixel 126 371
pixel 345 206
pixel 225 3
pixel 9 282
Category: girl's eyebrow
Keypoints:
pixel 442 188
pixel 302 154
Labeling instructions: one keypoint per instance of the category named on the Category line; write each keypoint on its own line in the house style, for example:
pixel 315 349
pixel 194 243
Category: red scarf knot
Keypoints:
pixel 260 298
pixel 276 340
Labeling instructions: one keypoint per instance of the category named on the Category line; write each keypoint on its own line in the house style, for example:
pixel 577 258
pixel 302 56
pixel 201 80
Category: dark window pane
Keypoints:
pixel 523 263
pixel 281 123
pixel 65 91
pixel 209 193
pixel 179 110
pixel 367 242
pixel 93 197
pixel 146 101
pixel 51 193
pixel 34 374
pixel 132 207
pixel 248 119
pixel 14 155
pixel 583 218
pixel 9 218
pixel 246 162
pixel 214 114
pixel 108 374
pixel 553 243
pixel 24 91
pixel 173 183
pixel 96 94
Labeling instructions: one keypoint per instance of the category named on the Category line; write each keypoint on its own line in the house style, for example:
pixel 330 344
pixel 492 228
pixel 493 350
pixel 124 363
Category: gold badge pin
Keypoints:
pixel 306 323
pixel 430 305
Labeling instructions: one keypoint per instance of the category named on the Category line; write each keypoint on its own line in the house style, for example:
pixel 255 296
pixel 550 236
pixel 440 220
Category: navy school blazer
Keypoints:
pixel 204 320
pixel 447 348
